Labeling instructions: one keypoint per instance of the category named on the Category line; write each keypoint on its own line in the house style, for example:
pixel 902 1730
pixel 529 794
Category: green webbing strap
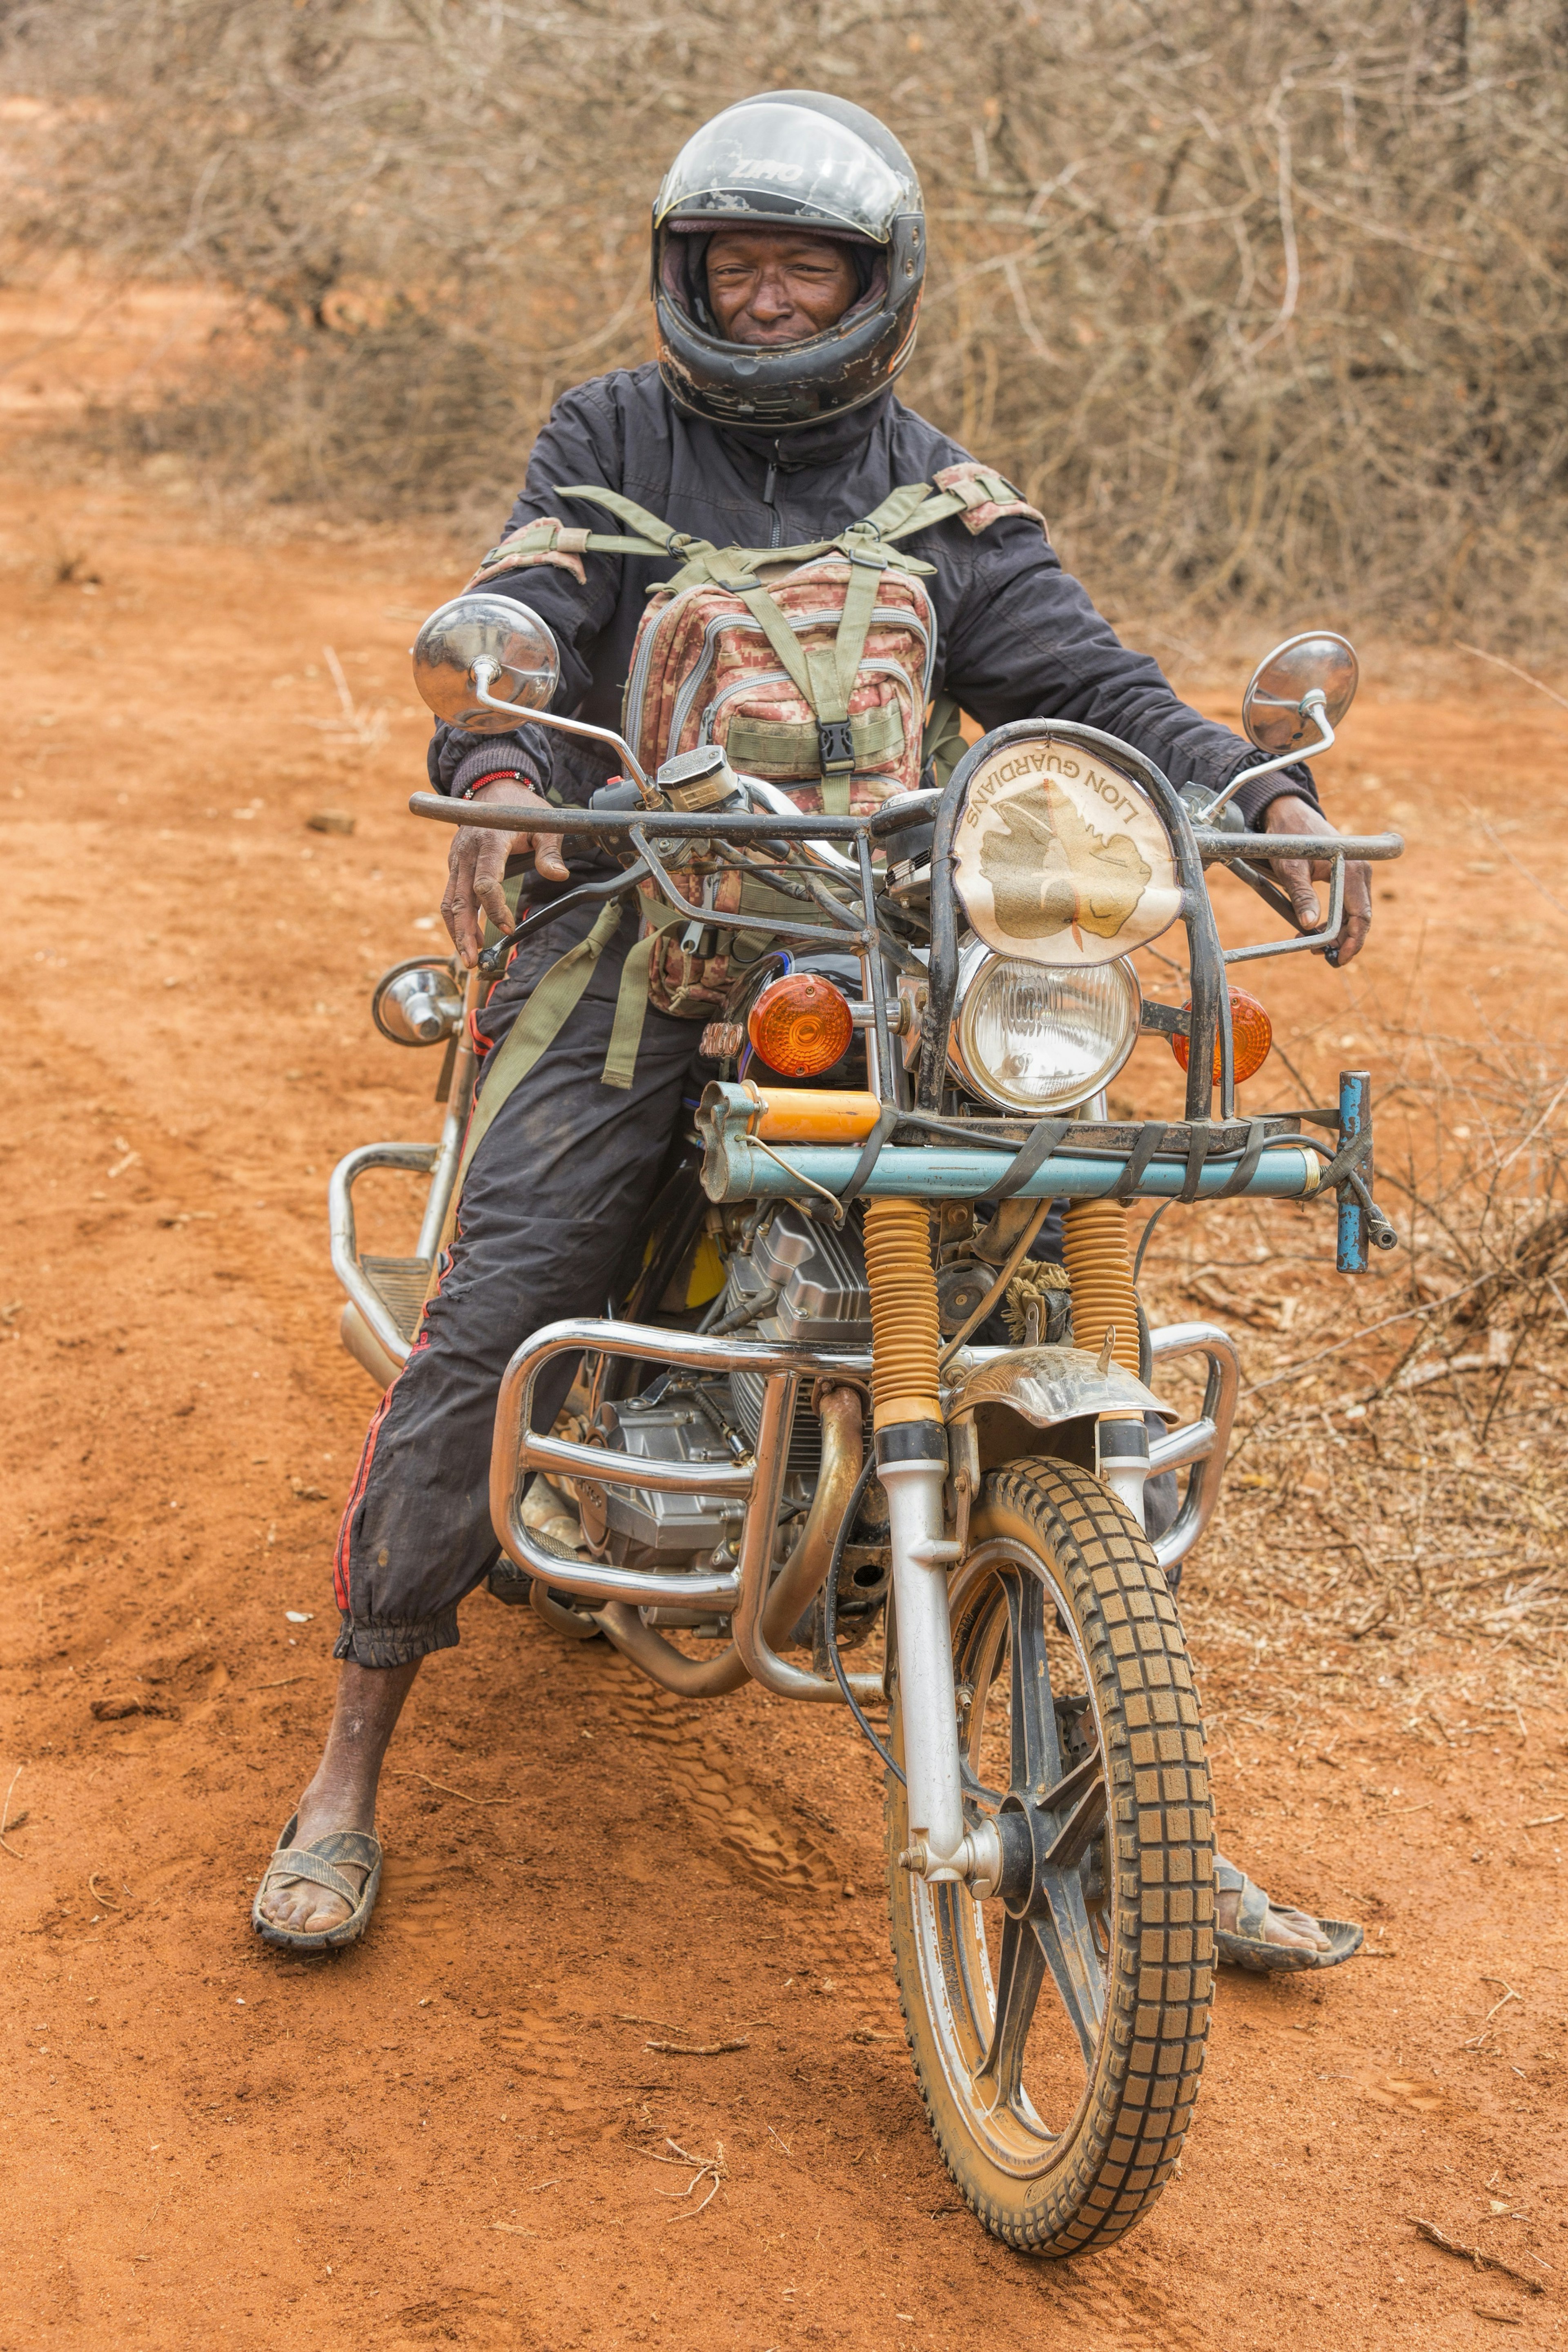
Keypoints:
pixel 944 744
pixel 912 506
pixel 631 1004
pixel 831 704
pixel 867 566
pixel 786 747
pixel 780 635
pixel 662 539
pixel 904 510
pixel 534 1032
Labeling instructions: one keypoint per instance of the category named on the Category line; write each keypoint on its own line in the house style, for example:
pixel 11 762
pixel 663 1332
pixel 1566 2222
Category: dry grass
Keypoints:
pixel 1258 302
pixel 1393 1518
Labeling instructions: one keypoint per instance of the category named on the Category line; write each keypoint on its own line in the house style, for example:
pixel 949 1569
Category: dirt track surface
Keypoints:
pixel 445 2136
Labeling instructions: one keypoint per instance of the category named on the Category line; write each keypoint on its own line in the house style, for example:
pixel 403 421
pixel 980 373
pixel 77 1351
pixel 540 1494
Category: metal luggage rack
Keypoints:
pixel 1157 1161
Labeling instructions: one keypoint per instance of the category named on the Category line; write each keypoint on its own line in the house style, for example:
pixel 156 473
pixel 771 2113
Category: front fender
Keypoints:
pixel 1048 1385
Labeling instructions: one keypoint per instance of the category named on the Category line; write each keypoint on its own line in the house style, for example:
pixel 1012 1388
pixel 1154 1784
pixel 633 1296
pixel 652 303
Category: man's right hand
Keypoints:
pixel 476 868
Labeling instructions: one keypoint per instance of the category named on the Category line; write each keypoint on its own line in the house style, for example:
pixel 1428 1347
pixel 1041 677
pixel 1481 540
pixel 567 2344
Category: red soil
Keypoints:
pixel 443 2136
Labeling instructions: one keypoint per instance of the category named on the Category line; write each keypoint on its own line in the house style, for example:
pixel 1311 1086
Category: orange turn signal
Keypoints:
pixel 801 1025
pixel 1251 1037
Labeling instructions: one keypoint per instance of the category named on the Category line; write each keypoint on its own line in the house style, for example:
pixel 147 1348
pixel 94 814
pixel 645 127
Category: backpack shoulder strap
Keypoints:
pixel 979 495
pixel 654 536
pixel 985 496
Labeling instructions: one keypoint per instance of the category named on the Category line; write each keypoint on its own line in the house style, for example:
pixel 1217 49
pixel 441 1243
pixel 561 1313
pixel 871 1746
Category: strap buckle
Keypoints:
pixel 834 745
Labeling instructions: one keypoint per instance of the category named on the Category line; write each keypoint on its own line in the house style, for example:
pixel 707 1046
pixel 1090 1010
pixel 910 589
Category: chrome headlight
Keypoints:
pixel 1031 1038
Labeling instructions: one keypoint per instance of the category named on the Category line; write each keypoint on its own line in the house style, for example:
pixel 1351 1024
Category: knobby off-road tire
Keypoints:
pixel 1058 2030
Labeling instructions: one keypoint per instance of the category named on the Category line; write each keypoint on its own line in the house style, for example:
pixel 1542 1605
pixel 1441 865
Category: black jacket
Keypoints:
pixel 1018 637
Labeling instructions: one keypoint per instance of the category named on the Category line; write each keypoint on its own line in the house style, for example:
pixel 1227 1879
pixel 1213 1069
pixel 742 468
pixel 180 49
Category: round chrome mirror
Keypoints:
pixel 418 1002
pixel 490 642
pixel 1319 661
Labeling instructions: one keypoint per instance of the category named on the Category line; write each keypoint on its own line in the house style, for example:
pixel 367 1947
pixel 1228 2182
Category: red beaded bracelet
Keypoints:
pixel 495 776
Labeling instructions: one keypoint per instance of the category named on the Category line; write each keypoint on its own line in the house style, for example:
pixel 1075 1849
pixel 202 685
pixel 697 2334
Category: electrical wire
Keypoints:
pixel 1009 1269
pixel 830 1616
pixel 1143 1238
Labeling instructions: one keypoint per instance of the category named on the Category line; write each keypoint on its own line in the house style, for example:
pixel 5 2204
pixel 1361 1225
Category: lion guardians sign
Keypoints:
pixel 1060 858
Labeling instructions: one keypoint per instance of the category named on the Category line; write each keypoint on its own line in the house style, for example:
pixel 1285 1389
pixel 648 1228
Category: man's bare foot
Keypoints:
pixel 341 1794
pixel 1292 1929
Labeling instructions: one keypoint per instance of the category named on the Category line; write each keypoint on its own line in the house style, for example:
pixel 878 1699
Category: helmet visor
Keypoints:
pixel 781 163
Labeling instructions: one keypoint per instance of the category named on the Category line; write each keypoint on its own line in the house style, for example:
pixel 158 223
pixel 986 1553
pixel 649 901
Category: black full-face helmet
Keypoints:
pixel 789 159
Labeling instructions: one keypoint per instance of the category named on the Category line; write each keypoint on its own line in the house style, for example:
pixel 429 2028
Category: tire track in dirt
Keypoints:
pixel 704 1775
pixel 717 1794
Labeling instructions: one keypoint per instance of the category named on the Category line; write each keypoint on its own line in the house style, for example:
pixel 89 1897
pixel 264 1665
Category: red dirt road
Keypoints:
pixel 444 2136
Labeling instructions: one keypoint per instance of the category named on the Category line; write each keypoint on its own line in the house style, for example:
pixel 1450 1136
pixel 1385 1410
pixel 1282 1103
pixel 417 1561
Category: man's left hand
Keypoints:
pixel 1296 875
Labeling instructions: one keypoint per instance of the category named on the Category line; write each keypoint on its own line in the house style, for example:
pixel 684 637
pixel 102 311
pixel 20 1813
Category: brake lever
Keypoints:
pixel 493 960
pixel 1273 898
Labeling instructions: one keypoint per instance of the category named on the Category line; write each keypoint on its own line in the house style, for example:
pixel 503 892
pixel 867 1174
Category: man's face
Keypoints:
pixel 777 286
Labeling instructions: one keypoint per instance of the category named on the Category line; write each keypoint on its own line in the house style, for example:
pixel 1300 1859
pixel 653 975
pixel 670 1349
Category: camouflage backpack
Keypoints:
pixel 811 666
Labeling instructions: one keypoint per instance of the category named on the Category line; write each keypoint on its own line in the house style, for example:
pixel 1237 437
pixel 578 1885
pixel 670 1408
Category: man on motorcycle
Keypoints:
pixel 788 261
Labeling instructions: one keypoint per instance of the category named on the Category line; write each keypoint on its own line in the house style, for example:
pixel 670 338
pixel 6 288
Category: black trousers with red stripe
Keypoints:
pixel 552 1199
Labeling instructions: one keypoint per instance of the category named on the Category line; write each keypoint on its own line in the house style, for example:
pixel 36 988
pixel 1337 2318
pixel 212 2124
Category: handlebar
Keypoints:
pixel 1194 846
pixel 509 816
pixel 1368 848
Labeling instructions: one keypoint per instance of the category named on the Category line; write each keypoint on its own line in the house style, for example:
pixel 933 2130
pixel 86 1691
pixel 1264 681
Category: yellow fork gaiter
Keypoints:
pixel 1099 1259
pixel 905 1334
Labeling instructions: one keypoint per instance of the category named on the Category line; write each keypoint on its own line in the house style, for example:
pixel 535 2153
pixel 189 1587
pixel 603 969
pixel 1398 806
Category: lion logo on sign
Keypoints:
pixel 1050 872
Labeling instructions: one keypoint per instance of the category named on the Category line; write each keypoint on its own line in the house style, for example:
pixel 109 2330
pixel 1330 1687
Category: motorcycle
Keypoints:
pixel 804 1421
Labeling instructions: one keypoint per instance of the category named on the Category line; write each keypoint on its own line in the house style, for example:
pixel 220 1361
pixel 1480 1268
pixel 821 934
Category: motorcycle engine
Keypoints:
pixel 802 1282
pixel 817 1278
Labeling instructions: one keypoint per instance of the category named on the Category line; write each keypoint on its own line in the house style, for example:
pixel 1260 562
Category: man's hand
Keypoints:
pixel 477 868
pixel 1296 877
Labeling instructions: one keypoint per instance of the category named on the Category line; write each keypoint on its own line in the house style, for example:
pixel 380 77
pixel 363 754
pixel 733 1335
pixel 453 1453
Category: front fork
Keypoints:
pixel 911 1462
pixel 912 1465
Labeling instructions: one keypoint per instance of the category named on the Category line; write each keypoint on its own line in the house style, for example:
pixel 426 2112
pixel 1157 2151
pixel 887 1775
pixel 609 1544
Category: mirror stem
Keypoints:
pixel 484 671
pixel 1312 706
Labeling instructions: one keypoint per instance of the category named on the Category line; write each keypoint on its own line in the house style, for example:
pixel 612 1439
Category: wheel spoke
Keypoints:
pixel 1020 1973
pixel 976 1794
pixel 988 1638
pixel 1037 1759
pixel 1072 1786
pixel 1067 1944
pixel 1084 1820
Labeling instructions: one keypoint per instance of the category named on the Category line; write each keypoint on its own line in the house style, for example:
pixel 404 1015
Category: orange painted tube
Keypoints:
pixel 821 1115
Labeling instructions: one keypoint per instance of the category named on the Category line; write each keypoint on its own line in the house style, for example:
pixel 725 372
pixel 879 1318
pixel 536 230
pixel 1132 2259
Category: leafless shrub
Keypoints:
pixel 399 413
pixel 1252 297
pixel 1401 1476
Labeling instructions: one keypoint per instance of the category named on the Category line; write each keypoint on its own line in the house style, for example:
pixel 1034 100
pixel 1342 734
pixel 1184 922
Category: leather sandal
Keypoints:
pixel 1246 1946
pixel 314 1863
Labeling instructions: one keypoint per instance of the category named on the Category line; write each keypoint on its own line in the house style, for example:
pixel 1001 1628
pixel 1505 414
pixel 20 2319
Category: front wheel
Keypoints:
pixel 1057 2028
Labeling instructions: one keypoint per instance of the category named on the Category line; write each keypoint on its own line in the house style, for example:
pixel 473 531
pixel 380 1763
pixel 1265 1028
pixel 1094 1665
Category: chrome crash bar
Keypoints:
pixel 1202 1443
pixel 743 1590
